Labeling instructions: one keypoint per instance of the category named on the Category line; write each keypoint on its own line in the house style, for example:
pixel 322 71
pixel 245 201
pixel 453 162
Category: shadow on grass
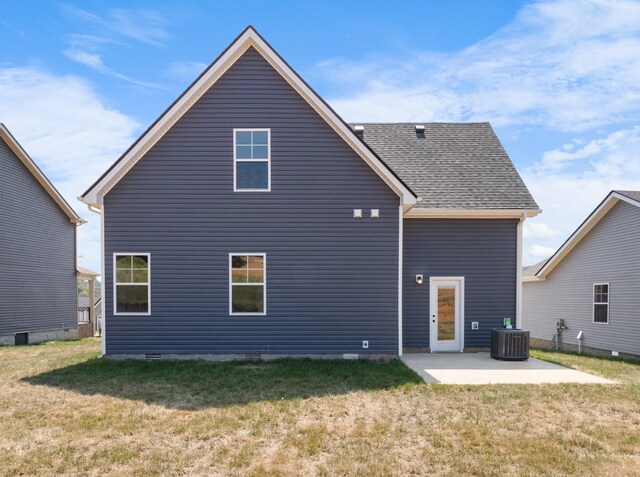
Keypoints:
pixel 201 384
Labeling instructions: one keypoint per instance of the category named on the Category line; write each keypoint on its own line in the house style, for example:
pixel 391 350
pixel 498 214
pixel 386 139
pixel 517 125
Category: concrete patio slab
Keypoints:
pixel 480 368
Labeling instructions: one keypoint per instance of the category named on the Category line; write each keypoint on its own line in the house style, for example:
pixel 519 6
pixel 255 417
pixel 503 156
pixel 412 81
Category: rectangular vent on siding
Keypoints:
pixel 21 339
pixel 152 356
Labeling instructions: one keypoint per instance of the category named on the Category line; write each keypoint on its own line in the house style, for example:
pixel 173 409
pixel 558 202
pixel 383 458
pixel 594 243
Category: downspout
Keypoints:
pixel 400 258
pixel 519 271
pixel 103 319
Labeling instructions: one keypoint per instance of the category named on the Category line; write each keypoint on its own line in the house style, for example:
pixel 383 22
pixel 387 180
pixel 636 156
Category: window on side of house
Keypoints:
pixel 601 303
pixel 131 284
pixel 247 284
pixel 252 160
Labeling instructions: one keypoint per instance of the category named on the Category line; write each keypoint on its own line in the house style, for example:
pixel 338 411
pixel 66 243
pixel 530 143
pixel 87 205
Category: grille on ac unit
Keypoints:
pixel 509 345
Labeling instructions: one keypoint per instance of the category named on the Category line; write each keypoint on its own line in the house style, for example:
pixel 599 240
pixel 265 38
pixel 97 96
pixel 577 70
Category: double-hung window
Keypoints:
pixel 251 160
pixel 601 303
pixel 131 284
pixel 247 284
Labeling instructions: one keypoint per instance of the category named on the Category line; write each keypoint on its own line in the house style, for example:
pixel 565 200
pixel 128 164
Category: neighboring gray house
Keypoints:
pixel 250 219
pixel 37 252
pixel 592 283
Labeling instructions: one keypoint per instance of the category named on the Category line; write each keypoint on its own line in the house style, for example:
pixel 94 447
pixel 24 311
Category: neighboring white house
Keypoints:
pixel 592 283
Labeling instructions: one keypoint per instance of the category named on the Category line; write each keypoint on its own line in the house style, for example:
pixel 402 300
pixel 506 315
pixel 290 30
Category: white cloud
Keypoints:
pixel 64 126
pixel 539 252
pixel 94 61
pixel 568 65
pixel 116 27
pixel 185 70
pixel 568 186
pixel 146 26
pixel 535 230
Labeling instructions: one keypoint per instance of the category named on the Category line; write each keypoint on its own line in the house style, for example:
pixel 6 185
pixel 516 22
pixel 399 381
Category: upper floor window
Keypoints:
pixel 601 303
pixel 252 160
pixel 131 290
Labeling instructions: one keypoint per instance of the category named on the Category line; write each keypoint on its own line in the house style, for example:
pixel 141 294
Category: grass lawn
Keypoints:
pixel 62 411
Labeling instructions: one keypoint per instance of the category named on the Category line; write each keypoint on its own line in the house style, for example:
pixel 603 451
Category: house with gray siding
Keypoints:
pixel 592 284
pixel 37 252
pixel 251 220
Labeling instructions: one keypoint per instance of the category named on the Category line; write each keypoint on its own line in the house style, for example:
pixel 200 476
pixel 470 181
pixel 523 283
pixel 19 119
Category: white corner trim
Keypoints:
pixel 431 213
pixel 400 267
pixel 35 171
pixel 103 308
pixel 596 216
pixel 250 38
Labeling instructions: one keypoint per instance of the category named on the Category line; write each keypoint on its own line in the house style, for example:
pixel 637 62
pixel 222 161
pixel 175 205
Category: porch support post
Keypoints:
pixel 92 311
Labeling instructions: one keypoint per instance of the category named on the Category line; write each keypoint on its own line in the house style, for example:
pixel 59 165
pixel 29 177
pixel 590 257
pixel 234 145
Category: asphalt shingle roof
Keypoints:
pixel 531 270
pixel 451 165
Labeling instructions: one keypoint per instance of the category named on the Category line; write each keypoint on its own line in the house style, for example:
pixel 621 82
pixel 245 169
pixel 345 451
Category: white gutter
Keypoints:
pixel 426 213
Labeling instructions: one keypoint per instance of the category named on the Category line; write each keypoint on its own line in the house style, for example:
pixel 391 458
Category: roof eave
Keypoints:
pixel 425 213
pixel 35 171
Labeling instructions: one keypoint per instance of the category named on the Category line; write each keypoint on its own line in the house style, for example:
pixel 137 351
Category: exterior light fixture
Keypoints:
pixel 419 279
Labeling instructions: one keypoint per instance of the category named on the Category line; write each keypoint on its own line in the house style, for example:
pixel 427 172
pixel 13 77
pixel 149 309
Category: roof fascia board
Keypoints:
pixel 432 213
pixel 603 208
pixel 625 198
pixel 35 171
pixel 249 38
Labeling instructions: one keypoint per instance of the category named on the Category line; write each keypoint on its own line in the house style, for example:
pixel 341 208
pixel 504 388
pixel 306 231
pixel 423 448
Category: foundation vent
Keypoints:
pixel 153 356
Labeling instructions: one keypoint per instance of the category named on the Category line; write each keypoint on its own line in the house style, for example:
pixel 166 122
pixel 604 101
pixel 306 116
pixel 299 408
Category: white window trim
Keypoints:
pixel 267 160
pixel 264 284
pixel 594 303
pixel 148 283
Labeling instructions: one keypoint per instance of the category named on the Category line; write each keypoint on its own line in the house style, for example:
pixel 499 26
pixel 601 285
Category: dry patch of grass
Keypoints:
pixel 65 412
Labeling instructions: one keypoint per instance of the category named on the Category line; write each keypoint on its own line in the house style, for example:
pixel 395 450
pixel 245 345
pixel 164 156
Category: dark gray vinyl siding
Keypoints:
pixel 37 254
pixel 482 251
pixel 332 280
pixel 610 252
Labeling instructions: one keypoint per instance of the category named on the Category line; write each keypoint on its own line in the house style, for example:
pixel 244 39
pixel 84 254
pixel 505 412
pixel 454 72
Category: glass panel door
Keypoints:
pixel 446 313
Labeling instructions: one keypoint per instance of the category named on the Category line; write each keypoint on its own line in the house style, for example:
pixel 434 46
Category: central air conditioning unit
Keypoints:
pixel 509 345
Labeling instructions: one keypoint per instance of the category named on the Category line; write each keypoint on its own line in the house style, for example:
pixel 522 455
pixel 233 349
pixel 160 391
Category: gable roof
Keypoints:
pixel 615 196
pixel 35 171
pixel 531 270
pixel 85 274
pixel 451 165
pixel 248 38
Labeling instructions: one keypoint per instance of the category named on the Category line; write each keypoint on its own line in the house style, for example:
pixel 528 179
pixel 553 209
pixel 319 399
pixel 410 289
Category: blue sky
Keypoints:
pixel 559 80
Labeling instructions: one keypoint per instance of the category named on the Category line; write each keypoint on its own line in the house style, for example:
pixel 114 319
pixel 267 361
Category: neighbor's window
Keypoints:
pixel 247 284
pixel 601 303
pixel 131 284
pixel 252 160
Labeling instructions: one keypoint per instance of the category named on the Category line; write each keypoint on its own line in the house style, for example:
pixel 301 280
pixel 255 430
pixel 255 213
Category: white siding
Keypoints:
pixel 610 253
